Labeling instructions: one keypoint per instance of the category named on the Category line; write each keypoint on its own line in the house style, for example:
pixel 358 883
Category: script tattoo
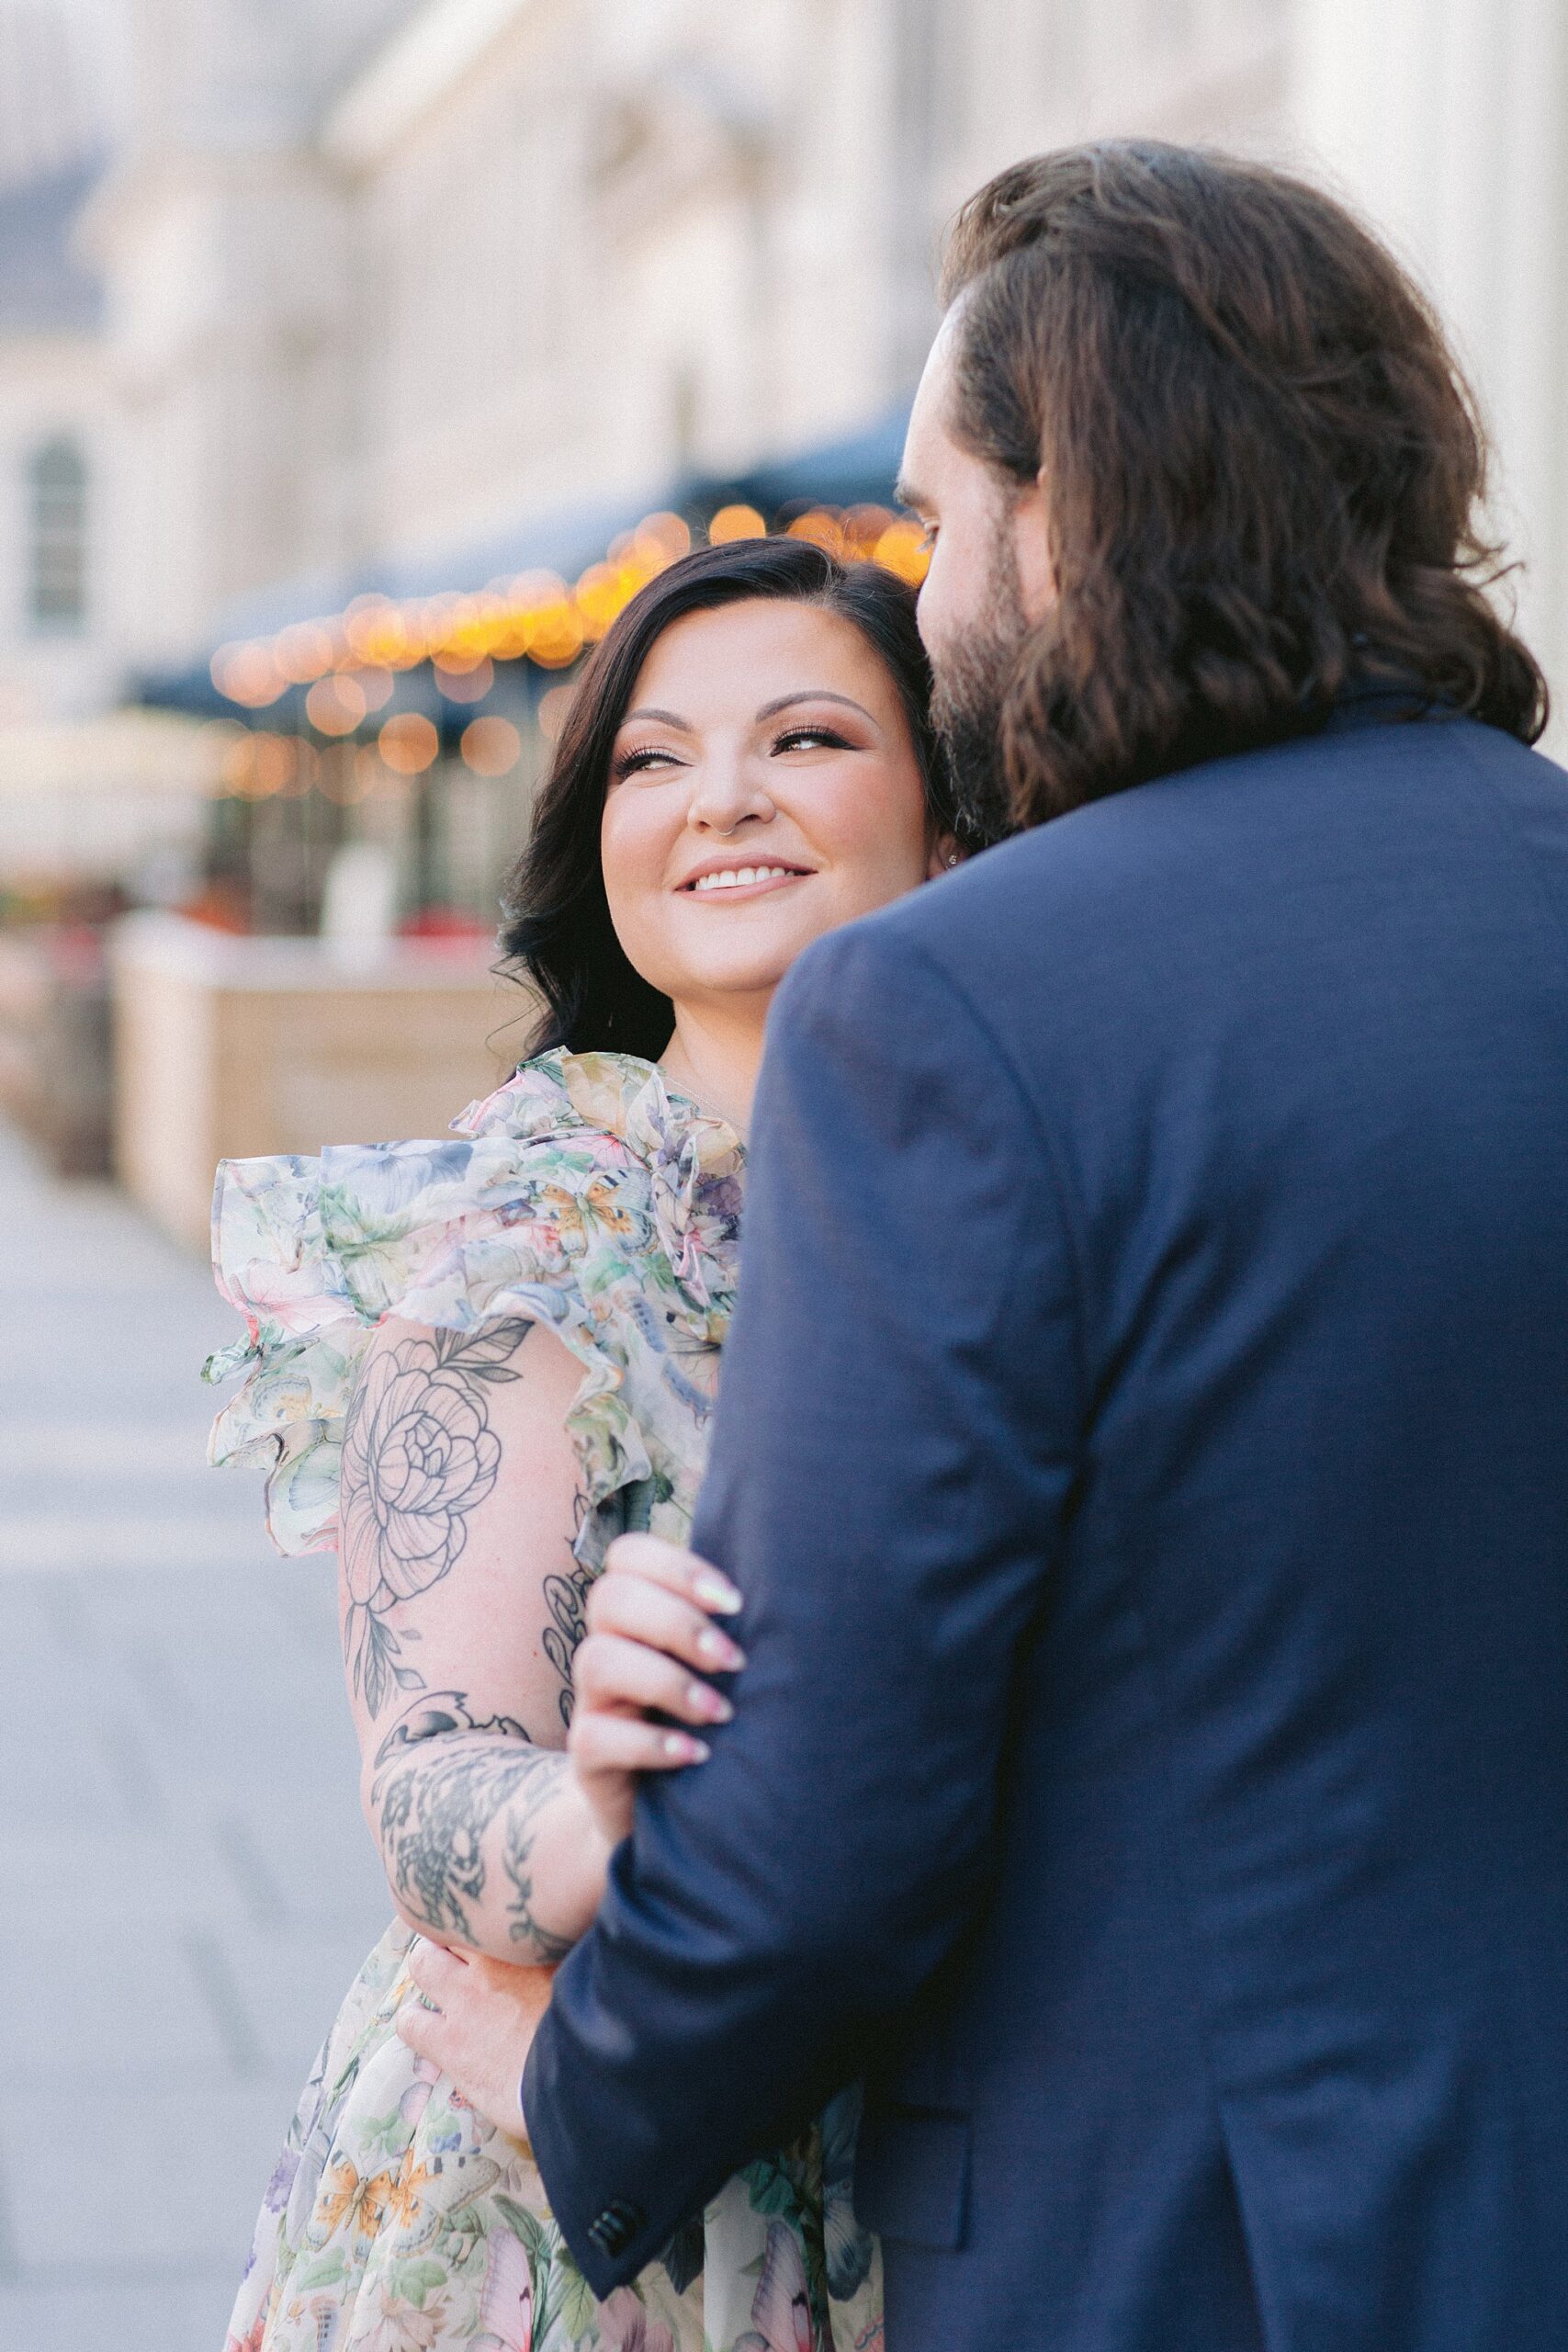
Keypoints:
pixel 419 1456
pixel 565 1598
pixel 443 1778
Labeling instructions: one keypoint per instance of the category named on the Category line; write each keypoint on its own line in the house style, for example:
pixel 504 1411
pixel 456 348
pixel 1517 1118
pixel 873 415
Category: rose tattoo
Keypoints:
pixel 419 1456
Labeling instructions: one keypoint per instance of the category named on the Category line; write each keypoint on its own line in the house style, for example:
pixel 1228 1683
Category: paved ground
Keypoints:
pixel 187 1886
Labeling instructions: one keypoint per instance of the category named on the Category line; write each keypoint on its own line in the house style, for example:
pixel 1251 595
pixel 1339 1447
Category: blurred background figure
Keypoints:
pixel 356 364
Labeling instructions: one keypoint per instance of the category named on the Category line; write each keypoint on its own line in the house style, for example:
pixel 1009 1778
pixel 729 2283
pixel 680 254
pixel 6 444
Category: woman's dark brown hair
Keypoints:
pixel 1262 466
pixel 558 933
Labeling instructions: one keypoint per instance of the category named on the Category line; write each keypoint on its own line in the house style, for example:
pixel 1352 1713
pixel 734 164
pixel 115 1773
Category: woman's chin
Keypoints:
pixel 741 966
pixel 709 985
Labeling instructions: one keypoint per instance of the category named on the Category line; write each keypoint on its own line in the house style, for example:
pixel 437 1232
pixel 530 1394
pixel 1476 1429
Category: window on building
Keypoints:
pixel 57 484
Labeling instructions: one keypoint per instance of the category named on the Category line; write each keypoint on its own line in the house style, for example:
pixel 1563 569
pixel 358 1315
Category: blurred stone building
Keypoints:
pixel 56 652
pixel 368 292
pixel 334 338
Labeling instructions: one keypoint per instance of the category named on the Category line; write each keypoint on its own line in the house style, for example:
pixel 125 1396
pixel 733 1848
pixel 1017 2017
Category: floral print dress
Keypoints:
pixel 583 1195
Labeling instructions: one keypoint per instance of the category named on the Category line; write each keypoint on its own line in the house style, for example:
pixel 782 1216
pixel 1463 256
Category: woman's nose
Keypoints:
pixel 727 793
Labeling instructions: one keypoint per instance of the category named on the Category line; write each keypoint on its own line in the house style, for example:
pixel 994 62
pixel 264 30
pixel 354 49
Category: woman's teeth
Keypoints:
pixel 736 878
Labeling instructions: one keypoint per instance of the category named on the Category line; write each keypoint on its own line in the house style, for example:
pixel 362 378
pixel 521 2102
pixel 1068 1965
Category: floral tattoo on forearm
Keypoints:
pixel 442 1780
pixel 419 1456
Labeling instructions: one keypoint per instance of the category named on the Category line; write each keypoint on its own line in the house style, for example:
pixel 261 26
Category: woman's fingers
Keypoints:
pixel 611 1672
pixel 650 1617
pixel 623 1601
pixel 679 1570
pixel 626 1744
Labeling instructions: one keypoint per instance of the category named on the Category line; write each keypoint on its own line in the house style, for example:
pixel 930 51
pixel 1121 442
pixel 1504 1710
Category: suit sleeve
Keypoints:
pixel 895 1447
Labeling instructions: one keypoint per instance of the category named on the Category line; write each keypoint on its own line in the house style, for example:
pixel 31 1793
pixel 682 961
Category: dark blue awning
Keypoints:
pixel 859 469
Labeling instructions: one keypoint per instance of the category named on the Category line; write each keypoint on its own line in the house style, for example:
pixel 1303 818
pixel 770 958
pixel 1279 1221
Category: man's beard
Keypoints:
pixel 970 675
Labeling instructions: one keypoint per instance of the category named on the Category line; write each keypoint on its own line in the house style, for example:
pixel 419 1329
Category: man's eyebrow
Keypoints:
pixel 909 495
pixel 815 693
pixel 662 718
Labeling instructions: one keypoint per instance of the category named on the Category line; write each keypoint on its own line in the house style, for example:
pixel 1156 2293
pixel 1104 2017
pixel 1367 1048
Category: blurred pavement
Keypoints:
pixel 188 1886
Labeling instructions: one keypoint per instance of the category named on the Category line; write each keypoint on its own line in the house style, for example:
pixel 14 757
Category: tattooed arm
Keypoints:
pixel 462 1606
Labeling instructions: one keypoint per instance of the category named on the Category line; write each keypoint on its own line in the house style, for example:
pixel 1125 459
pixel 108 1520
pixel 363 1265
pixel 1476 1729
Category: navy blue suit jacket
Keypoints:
pixel 1143 1450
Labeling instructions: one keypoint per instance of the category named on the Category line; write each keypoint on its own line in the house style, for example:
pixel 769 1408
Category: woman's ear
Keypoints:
pixel 944 853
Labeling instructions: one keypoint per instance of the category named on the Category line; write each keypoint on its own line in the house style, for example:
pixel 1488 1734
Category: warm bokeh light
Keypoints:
pixel 735 523
pixel 462 681
pixel 863 527
pixel 664 534
pixel 557 636
pixel 247 674
pixel 234 771
pixel 532 590
pixel 376 633
pixel 903 549
pixel 303 651
pixel 491 746
pixel 274 763
pixel 256 767
pixel 409 742
pixel 821 529
pixel 603 591
pixel 336 705
pixel 349 661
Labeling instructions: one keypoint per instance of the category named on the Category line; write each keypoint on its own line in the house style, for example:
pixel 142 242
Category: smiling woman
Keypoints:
pixel 475 1362
pixel 765 787
pixel 751 694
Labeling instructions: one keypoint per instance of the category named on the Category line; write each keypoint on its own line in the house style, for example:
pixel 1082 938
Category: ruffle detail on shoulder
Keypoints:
pixel 580 1195
pixel 694 1163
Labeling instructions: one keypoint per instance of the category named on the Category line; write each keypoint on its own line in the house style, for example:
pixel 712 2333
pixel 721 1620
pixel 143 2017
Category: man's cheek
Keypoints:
pixel 932 614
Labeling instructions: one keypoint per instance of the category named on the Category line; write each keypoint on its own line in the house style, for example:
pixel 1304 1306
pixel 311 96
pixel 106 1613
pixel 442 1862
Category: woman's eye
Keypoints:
pixel 803 738
pixel 635 763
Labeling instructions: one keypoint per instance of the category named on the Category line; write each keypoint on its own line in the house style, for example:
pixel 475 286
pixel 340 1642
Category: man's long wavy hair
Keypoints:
pixel 1262 466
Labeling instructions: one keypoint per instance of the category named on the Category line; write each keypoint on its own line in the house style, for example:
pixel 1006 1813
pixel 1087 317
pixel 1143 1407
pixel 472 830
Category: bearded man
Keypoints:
pixel 1142 1443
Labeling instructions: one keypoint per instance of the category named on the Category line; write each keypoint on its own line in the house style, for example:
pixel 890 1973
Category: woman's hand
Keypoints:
pixel 641 1671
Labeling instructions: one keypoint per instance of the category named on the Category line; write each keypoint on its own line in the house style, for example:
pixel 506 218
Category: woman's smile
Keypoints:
pixel 723 883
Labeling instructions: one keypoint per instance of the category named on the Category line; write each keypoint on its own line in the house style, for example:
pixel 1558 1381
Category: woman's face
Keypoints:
pixel 763 789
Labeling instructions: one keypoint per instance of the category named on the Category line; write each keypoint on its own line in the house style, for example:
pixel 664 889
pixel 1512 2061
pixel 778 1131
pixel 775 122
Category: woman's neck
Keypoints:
pixel 714 1055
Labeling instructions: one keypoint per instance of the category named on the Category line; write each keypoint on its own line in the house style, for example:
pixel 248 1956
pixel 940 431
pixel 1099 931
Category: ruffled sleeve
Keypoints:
pixel 537 1211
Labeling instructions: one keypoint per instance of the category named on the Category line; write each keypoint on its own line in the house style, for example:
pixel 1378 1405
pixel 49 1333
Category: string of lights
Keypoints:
pixel 348 662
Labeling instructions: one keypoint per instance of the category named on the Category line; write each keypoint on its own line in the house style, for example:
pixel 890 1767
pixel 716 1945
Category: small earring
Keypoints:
pixel 953 857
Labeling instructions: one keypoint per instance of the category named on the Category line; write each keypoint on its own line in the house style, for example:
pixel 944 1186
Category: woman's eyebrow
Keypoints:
pixel 815 693
pixel 662 718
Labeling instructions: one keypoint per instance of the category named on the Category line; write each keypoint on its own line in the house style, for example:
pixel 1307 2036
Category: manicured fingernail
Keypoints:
pixel 684 1749
pixel 721 1649
pixel 717 1592
pixel 705 1701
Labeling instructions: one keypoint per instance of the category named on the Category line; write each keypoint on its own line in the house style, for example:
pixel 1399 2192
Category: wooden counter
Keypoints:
pixel 227 1047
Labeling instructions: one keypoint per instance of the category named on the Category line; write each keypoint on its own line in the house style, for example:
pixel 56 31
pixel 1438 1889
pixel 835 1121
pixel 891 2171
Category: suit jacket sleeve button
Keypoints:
pixel 616 2227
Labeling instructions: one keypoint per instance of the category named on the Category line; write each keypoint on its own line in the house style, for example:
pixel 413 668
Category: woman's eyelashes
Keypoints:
pixel 638 761
pixel 797 739
pixel 635 763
